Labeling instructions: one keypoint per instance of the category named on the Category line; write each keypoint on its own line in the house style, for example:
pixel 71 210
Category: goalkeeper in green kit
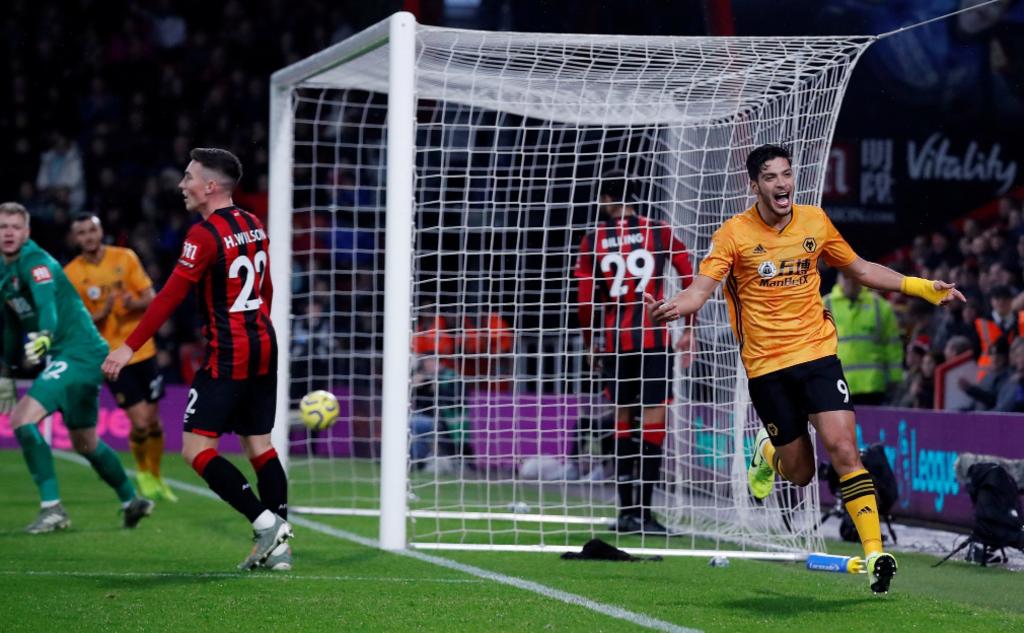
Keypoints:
pixel 45 324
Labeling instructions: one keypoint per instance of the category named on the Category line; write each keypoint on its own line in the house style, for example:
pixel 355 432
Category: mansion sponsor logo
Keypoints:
pixel 936 159
pixel 783 282
pixel 789 272
pixel 189 250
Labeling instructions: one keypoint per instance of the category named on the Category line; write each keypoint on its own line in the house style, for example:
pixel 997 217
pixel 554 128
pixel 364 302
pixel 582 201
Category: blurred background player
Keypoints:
pixel 116 290
pixel 768 257
pixel 226 256
pixel 870 346
pixel 45 320
pixel 624 257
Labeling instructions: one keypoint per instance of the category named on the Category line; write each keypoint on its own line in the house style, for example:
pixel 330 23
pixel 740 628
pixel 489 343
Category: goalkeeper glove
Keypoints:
pixel 8 396
pixel 37 346
pixel 924 288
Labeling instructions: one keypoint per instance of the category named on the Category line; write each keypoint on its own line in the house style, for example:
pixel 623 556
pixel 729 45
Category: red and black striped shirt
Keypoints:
pixel 618 263
pixel 226 256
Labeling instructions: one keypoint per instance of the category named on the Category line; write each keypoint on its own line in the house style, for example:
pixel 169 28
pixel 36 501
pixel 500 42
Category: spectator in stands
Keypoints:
pixel 1007 206
pixel 312 348
pixel 922 389
pixel 918 321
pixel 957 323
pixel 916 352
pixel 971 229
pixel 968 277
pixel 438 424
pixel 981 253
pixel 919 251
pixel 1015 225
pixel 60 173
pixel 1000 323
pixel 487 344
pixel 942 252
pixel 1011 393
pixel 985 391
pixel 433 337
pixel 870 347
pixel 169 29
pixel 956 346
pixel 1005 274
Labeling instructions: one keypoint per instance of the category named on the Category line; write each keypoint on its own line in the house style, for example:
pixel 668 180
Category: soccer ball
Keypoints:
pixel 319 410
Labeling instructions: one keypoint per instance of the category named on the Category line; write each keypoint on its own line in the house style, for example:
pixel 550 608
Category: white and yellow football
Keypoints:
pixel 319 410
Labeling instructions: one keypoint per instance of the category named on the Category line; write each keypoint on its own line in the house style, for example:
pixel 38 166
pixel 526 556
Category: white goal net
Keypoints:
pixel 505 439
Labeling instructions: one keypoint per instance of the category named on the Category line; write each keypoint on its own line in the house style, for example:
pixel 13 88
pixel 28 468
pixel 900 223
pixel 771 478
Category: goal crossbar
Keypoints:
pixel 427 174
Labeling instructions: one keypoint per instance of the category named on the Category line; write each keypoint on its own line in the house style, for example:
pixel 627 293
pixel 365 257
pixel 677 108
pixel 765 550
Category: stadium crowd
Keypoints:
pixel 983 256
pixel 105 99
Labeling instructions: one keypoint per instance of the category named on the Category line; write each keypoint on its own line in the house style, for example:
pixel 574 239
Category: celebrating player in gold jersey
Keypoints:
pixel 116 290
pixel 768 257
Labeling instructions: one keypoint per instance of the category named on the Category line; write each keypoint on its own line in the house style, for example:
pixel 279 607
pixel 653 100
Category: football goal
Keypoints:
pixel 429 191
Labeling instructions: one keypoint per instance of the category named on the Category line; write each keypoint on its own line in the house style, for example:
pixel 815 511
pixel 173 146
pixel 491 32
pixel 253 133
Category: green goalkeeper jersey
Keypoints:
pixel 37 297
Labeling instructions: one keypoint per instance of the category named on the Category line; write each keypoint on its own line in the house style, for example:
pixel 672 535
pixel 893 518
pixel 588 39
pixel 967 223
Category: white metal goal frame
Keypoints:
pixel 700 104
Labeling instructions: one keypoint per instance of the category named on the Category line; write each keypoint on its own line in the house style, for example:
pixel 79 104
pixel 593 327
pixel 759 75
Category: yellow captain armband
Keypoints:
pixel 924 288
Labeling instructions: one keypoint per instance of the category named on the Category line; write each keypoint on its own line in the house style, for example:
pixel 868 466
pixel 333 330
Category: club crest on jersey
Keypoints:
pixel 41 274
pixel 810 245
pixel 767 270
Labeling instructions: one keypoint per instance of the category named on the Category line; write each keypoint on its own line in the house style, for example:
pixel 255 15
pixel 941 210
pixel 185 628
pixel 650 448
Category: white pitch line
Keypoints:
pixel 613 611
pixel 619 613
pixel 232 575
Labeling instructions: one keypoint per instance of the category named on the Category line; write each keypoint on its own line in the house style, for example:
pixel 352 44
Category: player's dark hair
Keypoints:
pixel 15 208
pixel 761 155
pixel 219 160
pixel 85 216
pixel 617 185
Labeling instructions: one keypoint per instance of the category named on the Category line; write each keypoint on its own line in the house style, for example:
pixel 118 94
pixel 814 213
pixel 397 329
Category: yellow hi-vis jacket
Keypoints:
pixel 870 346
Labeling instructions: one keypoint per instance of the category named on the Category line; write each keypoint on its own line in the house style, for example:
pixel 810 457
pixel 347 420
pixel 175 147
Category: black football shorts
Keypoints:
pixel 638 378
pixel 221 405
pixel 137 382
pixel 785 398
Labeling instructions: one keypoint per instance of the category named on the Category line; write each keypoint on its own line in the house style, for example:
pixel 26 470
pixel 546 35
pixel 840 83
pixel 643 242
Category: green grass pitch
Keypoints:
pixel 176 572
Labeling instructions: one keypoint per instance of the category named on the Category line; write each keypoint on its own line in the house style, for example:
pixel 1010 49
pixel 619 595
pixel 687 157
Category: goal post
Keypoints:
pixel 429 191
pixel 398 280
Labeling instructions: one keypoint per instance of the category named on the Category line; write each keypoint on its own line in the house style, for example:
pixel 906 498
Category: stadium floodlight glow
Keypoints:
pixel 425 179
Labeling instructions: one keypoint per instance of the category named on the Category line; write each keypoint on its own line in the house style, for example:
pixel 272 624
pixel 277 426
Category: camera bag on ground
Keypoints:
pixel 998 520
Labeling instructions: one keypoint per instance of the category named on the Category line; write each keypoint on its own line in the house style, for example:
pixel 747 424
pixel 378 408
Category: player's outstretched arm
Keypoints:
pixel 116 360
pixel 880 277
pixel 161 308
pixel 683 304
